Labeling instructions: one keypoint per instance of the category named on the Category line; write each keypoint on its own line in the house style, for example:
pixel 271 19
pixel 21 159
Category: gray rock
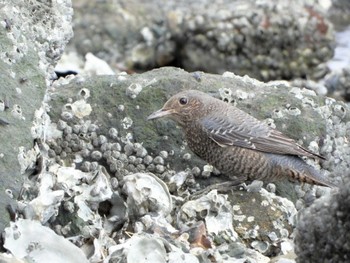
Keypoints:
pixel 324 227
pixel 32 35
pixel 254 218
pixel 339 13
pixel 263 39
pixel 318 123
pixel 338 84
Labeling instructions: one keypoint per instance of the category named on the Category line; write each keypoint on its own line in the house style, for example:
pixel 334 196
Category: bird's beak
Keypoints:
pixel 160 113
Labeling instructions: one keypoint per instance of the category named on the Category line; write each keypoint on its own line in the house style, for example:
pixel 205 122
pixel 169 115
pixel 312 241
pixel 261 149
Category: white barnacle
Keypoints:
pixel 294 111
pixel 84 93
pixel 2 105
pixel 133 90
pixel 81 109
pixel 17 112
pixel 127 122
pixel 121 108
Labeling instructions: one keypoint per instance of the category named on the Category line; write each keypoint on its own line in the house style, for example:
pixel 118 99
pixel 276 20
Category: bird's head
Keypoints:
pixel 184 107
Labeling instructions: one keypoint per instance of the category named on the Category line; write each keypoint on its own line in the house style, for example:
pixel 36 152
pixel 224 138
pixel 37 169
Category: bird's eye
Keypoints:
pixel 183 101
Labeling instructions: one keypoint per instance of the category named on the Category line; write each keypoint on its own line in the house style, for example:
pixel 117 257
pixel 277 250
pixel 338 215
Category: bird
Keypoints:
pixel 240 146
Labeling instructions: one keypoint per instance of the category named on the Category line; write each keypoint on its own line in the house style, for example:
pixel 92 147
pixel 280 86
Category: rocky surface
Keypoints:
pixel 325 227
pixel 120 188
pixel 338 13
pixel 264 39
pixel 319 123
pixel 99 164
pixel 338 84
pixel 33 36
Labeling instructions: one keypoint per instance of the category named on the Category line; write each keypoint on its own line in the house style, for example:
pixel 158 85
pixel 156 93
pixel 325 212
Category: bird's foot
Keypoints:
pixel 223 187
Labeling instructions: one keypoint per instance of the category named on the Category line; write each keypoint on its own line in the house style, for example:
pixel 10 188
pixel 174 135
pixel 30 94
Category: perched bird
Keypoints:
pixel 237 144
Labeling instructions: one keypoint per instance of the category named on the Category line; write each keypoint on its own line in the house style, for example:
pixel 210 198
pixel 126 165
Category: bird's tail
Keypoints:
pixel 297 170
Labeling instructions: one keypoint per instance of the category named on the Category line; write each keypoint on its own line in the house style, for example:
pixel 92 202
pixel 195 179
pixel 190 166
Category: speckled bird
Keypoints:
pixel 237 144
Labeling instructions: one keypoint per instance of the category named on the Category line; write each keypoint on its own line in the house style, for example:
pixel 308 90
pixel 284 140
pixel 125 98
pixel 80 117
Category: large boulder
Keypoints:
pixel 118 136
pixel 107 170
pixel 325 227
pixel 265 39
pixel 32 36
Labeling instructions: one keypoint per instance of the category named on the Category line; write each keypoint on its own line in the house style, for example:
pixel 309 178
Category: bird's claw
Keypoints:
pixel 220 187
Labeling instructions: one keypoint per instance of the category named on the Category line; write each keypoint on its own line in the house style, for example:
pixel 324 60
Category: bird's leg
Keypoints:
pixel 222 187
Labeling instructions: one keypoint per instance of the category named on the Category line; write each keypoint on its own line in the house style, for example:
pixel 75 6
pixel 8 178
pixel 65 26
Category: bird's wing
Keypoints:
pixel 242 130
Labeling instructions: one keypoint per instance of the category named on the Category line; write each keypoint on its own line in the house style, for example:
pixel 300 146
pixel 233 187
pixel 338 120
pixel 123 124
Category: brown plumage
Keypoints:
pixel 236 143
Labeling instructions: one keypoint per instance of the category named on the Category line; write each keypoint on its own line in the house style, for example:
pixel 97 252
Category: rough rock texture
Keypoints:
pixel 99 149
pixel 96 161
pixel 94 185
pixel 33 35
pixel 325 227
pixel 338 84
pixel 264 39
pixel 321 124
pixel 258 219
pixel 339 13
pixel 127 34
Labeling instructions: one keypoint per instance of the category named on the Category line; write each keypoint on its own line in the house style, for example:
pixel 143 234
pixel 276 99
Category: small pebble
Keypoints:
pixel 160 168
pixel 158 160
pixel 151 167
pixel 113 133
pixel 186 156
pixel 148 160
pixel 96 155
pixel 128 149
pixel 163 154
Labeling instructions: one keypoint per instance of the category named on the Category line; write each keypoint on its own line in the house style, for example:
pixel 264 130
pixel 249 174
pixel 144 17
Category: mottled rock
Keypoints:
pixel 338 84
pixel 261 220
pixel 99 160
pixel 325 226
pixel 339 13
pixel 321 124
pixel 33 35
pixel 264 39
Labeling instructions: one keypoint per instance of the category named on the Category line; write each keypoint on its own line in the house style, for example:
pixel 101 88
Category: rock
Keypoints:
pixel 266 40
pixel 27 238
pixel 128 35
pixel 338 13
pixel 33 36
pixel 318 123
pixel 324 226
pixel 99 150
pixel 338 84
pixel 260 220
